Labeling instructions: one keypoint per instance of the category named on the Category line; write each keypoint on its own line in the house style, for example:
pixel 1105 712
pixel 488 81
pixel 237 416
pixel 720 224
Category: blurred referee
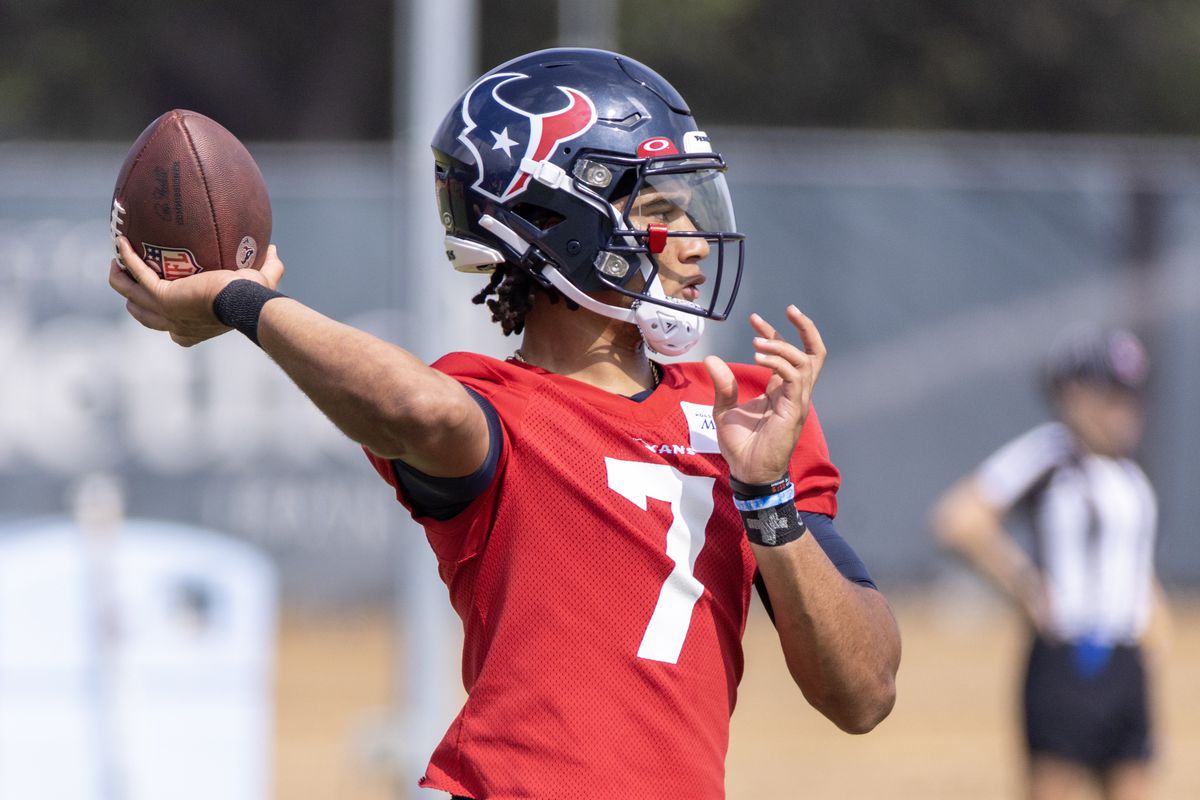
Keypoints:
pixel 1089 589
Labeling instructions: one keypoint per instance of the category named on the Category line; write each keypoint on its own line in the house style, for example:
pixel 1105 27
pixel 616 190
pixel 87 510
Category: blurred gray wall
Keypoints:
pixel 937 267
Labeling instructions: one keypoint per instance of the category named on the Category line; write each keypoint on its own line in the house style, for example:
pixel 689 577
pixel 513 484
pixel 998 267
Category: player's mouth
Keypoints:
pixel 691 288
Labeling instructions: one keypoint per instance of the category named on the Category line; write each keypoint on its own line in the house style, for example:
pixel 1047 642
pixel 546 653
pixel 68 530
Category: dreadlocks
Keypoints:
pixel 514 289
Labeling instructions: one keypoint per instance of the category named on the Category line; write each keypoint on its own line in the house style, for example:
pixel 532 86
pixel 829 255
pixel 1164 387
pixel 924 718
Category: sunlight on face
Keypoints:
pixel 664 204
pixel 689 205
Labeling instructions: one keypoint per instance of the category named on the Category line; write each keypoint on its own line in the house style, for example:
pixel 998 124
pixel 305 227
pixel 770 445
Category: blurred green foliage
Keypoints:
pixel 300 69
pixel 1119 66
pixel 267 69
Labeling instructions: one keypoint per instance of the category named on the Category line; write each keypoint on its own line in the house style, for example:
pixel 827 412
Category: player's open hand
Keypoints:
pixel 182 307
pixel 757 437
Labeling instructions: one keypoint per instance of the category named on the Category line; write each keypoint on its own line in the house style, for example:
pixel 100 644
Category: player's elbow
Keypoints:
pixel 874 710
pixel 860 709
pixel 856 691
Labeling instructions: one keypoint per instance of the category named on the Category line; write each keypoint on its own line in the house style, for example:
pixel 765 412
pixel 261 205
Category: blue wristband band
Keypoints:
pixel 769 501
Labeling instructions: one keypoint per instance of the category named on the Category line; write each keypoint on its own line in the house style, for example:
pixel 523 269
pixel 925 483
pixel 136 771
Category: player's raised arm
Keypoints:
pixel 839 638
pixel 377 393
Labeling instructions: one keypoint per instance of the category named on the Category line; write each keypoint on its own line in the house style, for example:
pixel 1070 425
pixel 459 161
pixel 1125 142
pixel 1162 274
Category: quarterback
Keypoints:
pixel 600 518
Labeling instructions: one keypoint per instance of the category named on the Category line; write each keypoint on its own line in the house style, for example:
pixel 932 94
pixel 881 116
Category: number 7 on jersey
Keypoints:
pixel 690 498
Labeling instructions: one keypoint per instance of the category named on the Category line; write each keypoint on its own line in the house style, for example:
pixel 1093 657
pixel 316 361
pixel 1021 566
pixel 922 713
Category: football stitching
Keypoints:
pixel 207 194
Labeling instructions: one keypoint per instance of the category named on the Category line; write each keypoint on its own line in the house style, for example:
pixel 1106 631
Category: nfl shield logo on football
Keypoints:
pixel 172 262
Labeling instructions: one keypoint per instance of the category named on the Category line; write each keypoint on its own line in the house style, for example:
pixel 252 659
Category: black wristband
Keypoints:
pixel 240 303
pixel 747 491
pixel 773 526
pixel 768 511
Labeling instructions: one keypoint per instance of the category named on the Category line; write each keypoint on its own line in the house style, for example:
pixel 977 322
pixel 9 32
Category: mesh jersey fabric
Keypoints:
pixel 603 582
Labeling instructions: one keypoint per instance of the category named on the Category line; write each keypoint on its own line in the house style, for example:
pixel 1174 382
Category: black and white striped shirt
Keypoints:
pixel 1094 521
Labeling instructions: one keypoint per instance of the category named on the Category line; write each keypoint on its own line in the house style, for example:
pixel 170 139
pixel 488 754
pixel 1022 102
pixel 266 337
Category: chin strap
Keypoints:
pixel 666 331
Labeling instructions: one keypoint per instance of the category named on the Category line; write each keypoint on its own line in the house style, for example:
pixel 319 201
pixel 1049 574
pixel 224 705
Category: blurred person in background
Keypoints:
pixel 1089 590
pixel 599 516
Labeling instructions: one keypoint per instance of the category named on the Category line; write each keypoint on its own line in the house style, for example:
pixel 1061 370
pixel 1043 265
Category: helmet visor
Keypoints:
pixel 681 217
pixel 701 197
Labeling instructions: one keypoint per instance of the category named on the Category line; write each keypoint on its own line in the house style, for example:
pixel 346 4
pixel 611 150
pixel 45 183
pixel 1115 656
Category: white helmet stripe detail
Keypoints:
pixel 504 234
pixel 586 300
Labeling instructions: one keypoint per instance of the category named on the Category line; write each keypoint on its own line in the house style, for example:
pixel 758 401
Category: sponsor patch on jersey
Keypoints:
pixel 701 427
pixel 696 142
pixel 173 262
pixel 658 146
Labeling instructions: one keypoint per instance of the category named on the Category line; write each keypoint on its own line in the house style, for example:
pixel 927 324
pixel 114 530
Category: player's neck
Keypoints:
pixel 605 353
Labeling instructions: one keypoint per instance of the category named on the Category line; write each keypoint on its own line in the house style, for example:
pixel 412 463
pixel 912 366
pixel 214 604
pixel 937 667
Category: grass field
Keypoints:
pixel 952 734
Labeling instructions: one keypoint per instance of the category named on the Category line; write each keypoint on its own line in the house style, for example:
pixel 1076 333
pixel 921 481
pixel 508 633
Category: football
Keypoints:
pixel 190 198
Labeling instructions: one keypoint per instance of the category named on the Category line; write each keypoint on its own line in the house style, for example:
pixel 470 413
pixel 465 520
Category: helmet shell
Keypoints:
pixel 557 106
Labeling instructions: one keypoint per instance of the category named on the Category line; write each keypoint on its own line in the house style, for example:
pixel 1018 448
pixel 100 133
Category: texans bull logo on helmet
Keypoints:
pixel 505 125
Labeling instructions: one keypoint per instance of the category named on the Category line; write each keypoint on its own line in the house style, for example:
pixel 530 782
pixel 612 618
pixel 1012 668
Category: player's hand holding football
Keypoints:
pixel 183 307
pixel 758 436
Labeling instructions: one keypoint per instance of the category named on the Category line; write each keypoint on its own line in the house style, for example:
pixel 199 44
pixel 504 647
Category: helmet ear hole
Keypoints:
pixel 541 218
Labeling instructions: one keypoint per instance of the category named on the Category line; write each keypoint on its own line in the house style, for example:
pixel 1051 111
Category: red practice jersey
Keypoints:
pixel 603 581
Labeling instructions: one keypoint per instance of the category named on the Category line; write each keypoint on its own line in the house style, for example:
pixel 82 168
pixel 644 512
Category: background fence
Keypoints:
pixel 937 266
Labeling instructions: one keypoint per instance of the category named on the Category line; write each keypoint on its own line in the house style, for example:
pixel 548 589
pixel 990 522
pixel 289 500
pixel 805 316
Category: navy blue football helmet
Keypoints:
pixel 555 162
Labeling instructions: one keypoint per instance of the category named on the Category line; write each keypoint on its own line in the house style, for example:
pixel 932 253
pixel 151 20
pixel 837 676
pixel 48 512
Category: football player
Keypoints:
pixel 599 517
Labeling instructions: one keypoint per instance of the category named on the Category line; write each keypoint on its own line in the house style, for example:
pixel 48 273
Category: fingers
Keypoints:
pixel 784 359
pixel 137 268
pixel 185 341
pixel 769 342
pixel 125 285
pixel 763 328
pixel 272 268
pixel 120 280
pixel 149 318
pixel 814 345
pixel 725 390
